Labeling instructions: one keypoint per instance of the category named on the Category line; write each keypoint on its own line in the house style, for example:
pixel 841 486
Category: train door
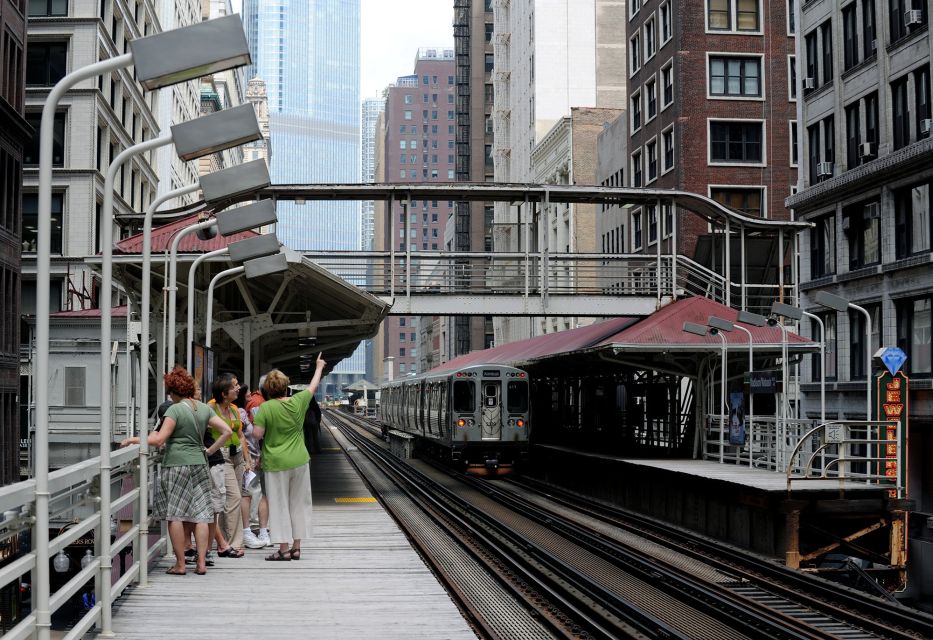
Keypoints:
pixel 492 410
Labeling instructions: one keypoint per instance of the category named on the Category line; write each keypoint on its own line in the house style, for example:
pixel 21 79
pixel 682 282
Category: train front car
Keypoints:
pixel 489 411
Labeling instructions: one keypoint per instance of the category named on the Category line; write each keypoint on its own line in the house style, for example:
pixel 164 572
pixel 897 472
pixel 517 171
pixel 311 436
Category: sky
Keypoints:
pixel 390 34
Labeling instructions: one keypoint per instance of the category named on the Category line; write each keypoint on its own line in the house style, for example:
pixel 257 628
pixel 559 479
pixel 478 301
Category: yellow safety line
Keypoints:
pixel 353 500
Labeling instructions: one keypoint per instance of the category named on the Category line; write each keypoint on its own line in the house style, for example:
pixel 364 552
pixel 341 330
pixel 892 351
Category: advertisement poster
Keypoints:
pixel 737 418
pixel 202 368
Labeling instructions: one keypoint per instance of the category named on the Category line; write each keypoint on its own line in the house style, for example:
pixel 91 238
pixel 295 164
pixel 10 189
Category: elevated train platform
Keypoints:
pixel 358 577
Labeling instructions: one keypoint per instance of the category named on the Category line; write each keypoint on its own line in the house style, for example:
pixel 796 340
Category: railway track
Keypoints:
pixel 596 585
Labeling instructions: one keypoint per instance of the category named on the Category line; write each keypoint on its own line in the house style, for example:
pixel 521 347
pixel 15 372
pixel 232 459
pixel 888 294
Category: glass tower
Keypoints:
pixel 308 54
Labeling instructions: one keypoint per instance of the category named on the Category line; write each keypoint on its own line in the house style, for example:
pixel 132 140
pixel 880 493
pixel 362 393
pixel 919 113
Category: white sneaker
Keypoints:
pixel 251 541
pixel 265 539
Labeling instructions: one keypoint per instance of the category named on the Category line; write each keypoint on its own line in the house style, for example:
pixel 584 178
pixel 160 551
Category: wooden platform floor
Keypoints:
pixel 761 479
pixel 358 578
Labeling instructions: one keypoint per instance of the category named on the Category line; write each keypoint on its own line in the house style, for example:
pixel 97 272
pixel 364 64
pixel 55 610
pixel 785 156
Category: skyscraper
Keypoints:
pixel 308 54
pixel 372 107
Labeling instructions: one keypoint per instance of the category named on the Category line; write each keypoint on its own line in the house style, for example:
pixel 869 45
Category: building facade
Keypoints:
pixel 711 110
pixel 865 181
pixel 470 229
pixel 419 147
pixel 14 134
pixel 548 57
pixel 372 107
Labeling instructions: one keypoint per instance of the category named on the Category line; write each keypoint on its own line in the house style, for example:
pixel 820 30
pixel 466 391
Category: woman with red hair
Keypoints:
pixel 184 490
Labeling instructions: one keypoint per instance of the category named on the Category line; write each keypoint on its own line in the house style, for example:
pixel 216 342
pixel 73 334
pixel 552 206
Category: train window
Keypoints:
pixel 517 400
pixel 464 396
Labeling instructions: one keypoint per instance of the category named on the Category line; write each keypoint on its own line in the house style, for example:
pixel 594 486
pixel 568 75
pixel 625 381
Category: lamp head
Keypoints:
pixel 215 132
pixel 772 321
pixel 714 331
pixel 695 329
pixel 719 324
pixel 826 299
pixel 237 180
pixel 747 317
pixel 787 311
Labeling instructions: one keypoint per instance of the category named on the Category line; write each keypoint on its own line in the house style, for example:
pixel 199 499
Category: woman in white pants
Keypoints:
pixel 279 422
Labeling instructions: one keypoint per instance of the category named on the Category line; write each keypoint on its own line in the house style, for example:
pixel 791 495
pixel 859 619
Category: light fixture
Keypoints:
pixel 61 562
pixel 268 265
pixel 251 216
pixel 827 299
pixel 696 329
pixel 747 317
pixel 216 132
pixel 251 248
pixel 787 311
pixel 191 52
pixel 237 180
pixel 720 324
pixel 205 233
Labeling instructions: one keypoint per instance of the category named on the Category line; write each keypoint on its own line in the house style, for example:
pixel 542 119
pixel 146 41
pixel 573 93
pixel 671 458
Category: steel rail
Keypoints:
pixel 874 615
pixel 576 608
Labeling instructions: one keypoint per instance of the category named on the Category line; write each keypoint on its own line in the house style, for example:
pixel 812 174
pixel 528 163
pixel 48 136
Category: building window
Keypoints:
pixel 922 101
pixel 667 81
pixel 651 38
pixel 636 230
pixel 826 38
pixel 823 247
pixel 736 141
pixel 31 149
pixel 871 117
pixel 900 113
pixel 914 335
pixel 488 63
pixel 664 11
pixel 791 17
pixel 31 222
pixel 829 346
pixel 861 222
pixel 869 35
pixel 913 217
pixel 38 8
pixel 636 169
pixel 668 147
pixel 634 52
pixel 652 151
pixel 853 136
pixel 732 76
pixel 747 200
pixel 794 149
pixel 45 63
pixel 668 215
pixel 652 211
pixel 792 77
pixel 407 115
pixel 850 48
pixel 75 385
pixel 651 96
pixel 636 111
pixel 858 336
pixel 721 15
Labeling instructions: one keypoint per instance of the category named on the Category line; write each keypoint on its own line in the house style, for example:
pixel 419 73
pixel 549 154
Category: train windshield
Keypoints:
pixel 517 401
pixel 464 396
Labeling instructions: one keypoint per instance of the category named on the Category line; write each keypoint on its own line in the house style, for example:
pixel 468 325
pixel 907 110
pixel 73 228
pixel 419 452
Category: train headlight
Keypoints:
pixel 520 422
pixel 461 422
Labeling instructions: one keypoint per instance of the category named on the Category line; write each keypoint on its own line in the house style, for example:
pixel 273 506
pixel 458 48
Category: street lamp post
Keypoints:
pixel 159 60
pixel 189 335
pixel 747 317
pixel 718 327
pixel 255 268
pixel 779 309
pixel 701 330
pixel 836 303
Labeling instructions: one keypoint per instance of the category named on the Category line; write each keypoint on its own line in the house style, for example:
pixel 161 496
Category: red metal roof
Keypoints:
pixel 665 328
pixel 540 346
pixel 162 239
pixel 116 312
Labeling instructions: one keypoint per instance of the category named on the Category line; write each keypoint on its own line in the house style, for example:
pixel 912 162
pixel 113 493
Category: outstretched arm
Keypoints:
pixel 318 369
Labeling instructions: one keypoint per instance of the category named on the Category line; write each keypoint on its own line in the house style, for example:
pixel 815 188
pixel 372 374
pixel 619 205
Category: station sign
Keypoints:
pixel 892 404
pixel 762 382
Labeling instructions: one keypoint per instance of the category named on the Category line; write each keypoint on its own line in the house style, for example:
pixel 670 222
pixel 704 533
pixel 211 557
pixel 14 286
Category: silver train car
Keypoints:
pixel 477 416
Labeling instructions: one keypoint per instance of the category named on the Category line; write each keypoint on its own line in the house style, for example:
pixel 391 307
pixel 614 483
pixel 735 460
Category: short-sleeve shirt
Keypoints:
pixel 184 446
pixel 283 445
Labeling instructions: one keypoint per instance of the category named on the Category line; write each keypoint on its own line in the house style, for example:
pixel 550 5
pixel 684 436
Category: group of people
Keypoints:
pixel 208 450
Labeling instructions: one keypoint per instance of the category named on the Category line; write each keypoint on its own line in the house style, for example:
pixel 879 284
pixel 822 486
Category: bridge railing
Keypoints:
pixel 74 502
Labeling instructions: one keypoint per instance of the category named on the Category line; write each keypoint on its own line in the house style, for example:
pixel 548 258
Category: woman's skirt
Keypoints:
pixel 184 494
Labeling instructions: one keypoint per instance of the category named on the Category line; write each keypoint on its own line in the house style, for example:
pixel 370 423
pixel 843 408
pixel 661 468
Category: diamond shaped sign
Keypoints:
pixel 893 358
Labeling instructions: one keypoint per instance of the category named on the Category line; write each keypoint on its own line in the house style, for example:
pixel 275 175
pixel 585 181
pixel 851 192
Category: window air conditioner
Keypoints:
pixel 824 169
pixel 872 211
pixel 913 16
pixel 926 125
pixel 867 150
pixel 809 83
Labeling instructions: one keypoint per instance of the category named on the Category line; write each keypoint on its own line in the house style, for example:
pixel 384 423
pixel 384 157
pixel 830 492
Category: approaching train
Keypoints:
pixel 477 415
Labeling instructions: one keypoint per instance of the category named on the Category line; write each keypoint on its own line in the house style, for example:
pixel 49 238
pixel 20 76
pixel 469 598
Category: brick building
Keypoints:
pixel 419 147
pixel 711 110
pixel 866 177
pixel 14 133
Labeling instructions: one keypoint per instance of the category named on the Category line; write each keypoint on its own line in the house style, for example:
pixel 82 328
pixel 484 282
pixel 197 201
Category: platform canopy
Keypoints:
pixel 653 342
pixel 287 317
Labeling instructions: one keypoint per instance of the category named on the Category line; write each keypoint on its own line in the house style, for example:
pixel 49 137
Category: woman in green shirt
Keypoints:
pixel 279 422
pixel 184 490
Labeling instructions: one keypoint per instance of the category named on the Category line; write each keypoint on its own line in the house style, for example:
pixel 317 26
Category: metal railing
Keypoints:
pixel 867 451
pixel 768 442
pixel 74 501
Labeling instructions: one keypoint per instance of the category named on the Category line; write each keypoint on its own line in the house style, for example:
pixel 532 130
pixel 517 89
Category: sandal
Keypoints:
pixel 231 552
pixel 295 553
pixel 278 556
pixel 199 572
pixel 172 572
